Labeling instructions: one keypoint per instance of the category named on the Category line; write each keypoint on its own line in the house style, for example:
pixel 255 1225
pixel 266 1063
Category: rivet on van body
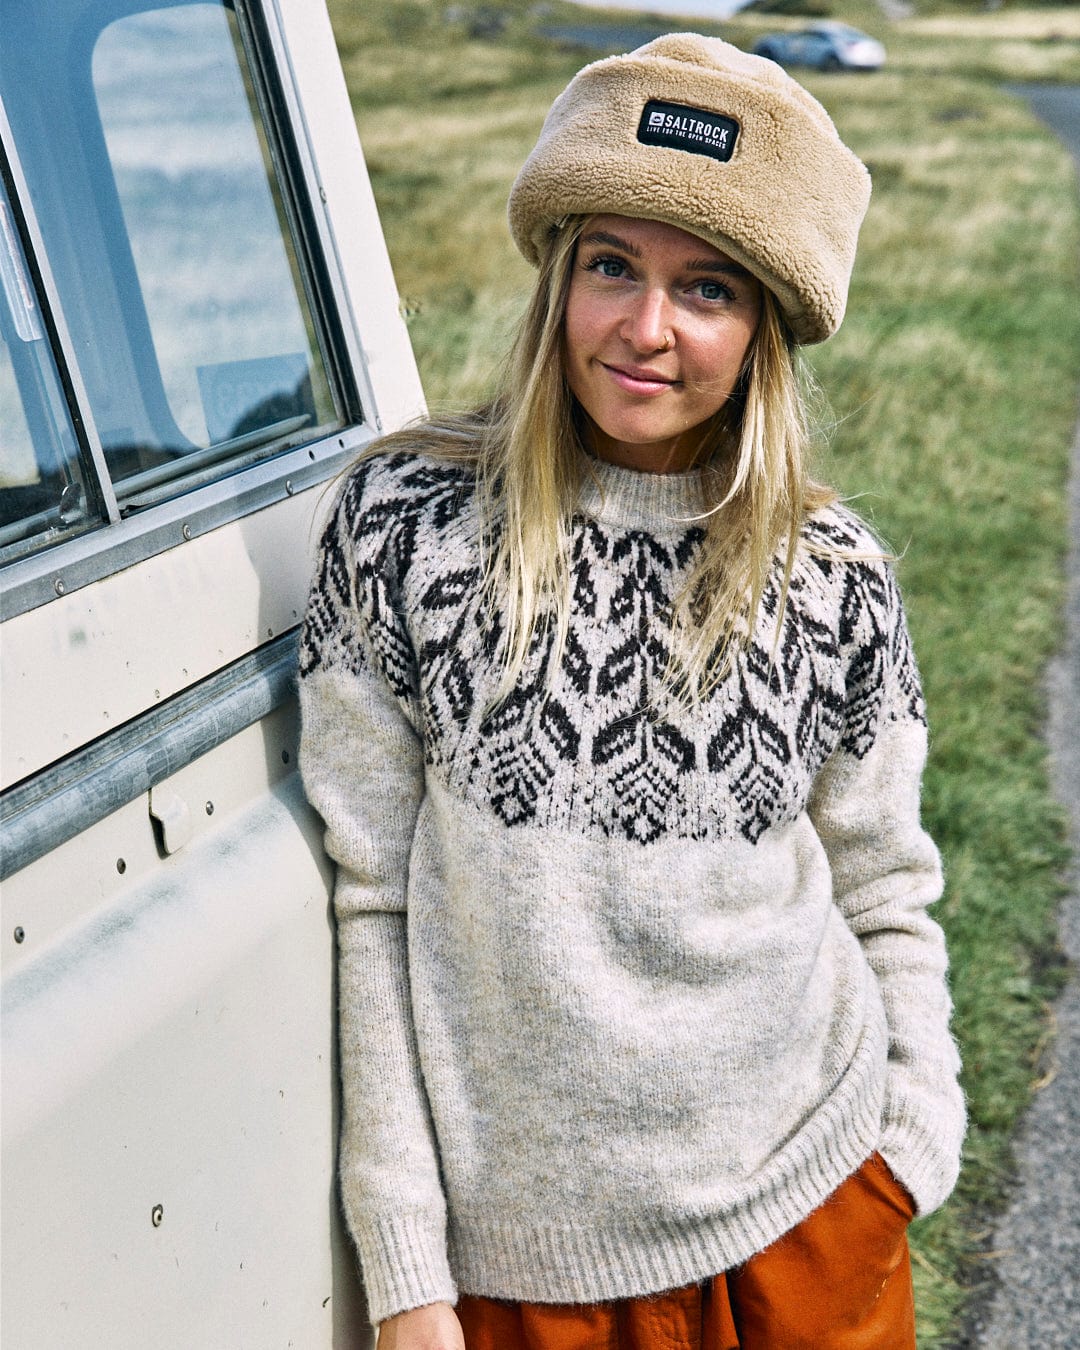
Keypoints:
pixel 186 531
pixel 156 1216
pixel 284 756
pixel 121 866
pixel 209 808
pixel 20 933
pixel 289 486
pixel 58 586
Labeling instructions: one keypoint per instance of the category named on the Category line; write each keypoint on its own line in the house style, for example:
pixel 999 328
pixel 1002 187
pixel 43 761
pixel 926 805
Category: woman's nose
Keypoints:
pixel 647 326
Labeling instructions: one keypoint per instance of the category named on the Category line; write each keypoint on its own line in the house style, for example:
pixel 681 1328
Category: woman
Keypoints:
pixel 613 720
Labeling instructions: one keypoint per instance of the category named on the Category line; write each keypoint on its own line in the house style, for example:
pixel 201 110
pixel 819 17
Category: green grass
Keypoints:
pixel 956 384
pixel 953 383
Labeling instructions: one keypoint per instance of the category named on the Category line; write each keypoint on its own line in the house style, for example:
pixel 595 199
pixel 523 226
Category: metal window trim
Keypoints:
pixel 288 141
pixel 69 797
pixel 69 566
pixel 327 237
pixel 79 410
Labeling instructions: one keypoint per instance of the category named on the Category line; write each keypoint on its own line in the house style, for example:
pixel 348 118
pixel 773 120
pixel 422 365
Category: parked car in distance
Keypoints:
pixel 824 46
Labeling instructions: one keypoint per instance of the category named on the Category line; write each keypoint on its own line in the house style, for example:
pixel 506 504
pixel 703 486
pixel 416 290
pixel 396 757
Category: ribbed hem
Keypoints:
pixel 404 1263
pixel 629 499
pixel 543 1262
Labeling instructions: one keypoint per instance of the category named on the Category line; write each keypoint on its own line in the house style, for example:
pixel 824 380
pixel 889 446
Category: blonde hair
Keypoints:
pixel 526 448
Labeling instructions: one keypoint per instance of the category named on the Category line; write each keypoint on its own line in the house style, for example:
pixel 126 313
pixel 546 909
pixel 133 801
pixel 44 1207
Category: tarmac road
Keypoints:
pixel 1058 105
pixel 1036 1248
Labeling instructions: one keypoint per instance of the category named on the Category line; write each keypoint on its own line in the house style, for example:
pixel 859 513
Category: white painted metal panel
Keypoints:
pixel 168 1074
pixel 83 881
pixel 87 662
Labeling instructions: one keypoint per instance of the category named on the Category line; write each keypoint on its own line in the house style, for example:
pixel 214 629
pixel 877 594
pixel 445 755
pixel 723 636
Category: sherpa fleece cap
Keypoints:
pixel 692 131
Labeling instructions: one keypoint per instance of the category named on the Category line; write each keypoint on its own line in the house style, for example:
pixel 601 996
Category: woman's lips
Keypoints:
pixel 637 380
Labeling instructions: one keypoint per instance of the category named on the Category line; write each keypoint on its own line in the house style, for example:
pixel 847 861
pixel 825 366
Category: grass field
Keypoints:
pixel 953 389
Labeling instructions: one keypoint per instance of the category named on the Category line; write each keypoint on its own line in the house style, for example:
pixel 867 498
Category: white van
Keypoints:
pixel 198 330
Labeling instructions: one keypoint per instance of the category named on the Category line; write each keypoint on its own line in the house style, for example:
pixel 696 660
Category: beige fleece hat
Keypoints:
pixel 696 133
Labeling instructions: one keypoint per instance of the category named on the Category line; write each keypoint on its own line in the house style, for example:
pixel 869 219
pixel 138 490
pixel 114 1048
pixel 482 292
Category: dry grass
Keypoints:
pixel 1029 25
pixel 1008 45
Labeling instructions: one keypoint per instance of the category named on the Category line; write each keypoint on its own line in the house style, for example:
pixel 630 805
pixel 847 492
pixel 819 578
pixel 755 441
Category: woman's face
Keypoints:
pixel 657 324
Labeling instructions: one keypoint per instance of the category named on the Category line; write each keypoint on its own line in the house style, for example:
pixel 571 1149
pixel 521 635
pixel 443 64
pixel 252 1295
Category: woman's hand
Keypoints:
pixel 433 1327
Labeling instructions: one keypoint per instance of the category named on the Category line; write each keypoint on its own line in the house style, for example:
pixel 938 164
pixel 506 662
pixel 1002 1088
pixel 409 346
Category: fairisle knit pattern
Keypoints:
pixel 632 992
pixel 782 715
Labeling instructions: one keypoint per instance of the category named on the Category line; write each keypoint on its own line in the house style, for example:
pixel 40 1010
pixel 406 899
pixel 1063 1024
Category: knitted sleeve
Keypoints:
pixel 362 765
pixel 886 872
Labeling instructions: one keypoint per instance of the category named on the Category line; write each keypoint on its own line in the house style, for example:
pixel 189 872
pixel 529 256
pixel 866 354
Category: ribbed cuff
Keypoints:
pixel 921 1143
pixel 404 1263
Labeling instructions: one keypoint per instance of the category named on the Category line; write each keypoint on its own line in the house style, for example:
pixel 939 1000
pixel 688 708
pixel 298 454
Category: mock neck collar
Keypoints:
pixel 630 499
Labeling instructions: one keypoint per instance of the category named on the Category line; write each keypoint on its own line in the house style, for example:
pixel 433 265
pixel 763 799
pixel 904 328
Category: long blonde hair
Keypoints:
pixel 526 444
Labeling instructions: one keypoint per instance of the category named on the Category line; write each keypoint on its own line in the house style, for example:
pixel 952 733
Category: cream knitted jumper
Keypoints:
pixel 623 998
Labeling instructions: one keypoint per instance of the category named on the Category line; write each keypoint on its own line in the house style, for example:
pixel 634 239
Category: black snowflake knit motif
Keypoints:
pixel 398 594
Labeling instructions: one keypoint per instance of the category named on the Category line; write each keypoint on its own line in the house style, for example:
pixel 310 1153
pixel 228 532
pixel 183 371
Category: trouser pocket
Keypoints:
pixel 840 1280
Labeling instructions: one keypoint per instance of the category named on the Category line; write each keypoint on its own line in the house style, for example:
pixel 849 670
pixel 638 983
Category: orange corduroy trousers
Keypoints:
pixel 840 1280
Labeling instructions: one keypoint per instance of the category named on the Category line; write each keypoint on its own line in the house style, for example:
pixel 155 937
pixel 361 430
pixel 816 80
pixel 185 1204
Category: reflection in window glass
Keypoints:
pixel 43 494
pixel 230 349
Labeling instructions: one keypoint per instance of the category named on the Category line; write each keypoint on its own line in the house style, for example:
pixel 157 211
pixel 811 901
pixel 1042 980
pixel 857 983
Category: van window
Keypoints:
pixel 140 136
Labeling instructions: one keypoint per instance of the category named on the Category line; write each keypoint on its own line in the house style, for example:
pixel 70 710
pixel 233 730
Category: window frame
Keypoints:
pixel 119 541
pixel 52 316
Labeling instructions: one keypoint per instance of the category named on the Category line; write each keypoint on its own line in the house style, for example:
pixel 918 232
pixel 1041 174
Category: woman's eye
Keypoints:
pixel 608 267
pixel 713 290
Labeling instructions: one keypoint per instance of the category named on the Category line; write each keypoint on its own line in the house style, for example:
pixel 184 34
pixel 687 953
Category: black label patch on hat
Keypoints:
pixel 694 129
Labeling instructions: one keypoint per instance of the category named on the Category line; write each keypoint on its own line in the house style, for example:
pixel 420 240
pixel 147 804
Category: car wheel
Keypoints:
pixel 832 63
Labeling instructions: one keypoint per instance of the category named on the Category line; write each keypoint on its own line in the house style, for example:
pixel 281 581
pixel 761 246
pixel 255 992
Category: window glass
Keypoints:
pixel 140 135
pixel 237 360
pixel 43 492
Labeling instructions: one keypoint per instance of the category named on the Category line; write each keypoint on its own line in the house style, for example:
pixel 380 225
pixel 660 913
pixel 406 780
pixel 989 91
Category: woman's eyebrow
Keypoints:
pixel 612 241
pixel 731 269
pixel 724 268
